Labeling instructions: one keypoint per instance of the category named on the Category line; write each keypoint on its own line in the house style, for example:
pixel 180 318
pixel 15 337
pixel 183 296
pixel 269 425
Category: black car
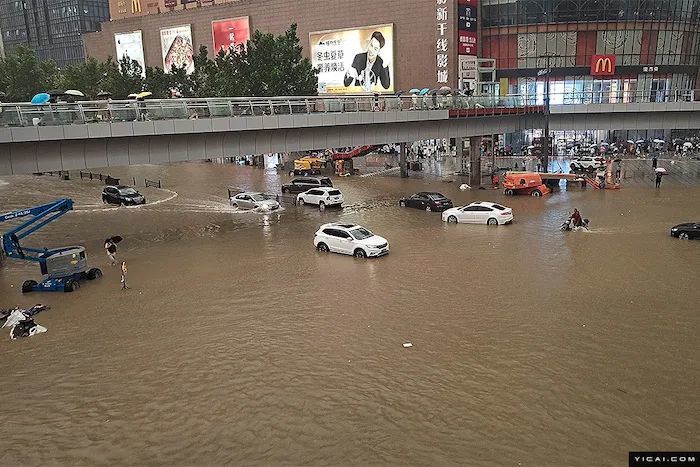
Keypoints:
pixel 427 201
pixel 122 195
pixel 301 184
pixel 686 231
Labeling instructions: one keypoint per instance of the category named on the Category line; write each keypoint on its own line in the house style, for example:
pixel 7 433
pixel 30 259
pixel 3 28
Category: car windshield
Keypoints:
pixel 128 191
pixel 258 197
pixel 361 233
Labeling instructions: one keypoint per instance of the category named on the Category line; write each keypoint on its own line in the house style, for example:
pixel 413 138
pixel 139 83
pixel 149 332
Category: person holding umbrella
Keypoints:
pixel 660 172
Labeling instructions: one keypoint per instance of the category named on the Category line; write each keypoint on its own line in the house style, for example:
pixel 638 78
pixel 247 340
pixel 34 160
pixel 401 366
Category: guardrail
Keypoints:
pixel 62 113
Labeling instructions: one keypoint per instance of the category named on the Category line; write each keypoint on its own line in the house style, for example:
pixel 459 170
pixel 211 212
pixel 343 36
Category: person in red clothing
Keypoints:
pixel 576 217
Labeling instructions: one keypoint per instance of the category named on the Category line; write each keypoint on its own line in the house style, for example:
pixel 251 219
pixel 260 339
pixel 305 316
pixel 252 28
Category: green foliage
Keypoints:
pixel 268 66
pixel 22 75
pixel 88 77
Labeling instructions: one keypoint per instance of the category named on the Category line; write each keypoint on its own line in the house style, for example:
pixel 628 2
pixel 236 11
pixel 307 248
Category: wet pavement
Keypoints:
pixel 238 343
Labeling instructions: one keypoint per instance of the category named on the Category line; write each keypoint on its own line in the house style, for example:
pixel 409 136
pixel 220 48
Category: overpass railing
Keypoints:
pixel 63 113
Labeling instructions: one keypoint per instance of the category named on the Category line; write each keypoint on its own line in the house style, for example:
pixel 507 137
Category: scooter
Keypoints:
pixel 568 225
pixel 21 322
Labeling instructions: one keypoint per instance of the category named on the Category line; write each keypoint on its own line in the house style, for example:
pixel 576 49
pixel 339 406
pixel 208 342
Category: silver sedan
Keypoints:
pixel 254 201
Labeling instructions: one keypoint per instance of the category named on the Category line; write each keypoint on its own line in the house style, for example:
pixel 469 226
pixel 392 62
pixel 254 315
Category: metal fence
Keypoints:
pixel 62 113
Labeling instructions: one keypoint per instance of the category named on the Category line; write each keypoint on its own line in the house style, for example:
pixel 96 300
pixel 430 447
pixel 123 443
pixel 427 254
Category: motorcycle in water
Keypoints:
pixel 568 225
pixel 21 322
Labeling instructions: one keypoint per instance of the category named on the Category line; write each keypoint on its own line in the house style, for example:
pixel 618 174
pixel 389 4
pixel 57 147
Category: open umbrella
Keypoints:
pixel 660 170
pixel 414 91
pixel 132 96
pixel 424 91
pixel 687 144
pixel 74 92
pixel 659 141
pixel 143 95
pixel 104 94
pixel 399 93
pixel 41 98
pixel 445 90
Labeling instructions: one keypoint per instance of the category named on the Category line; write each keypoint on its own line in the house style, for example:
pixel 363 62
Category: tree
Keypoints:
pixel 158 82
pixel 123 78
pixel 23 75
pixel 88 77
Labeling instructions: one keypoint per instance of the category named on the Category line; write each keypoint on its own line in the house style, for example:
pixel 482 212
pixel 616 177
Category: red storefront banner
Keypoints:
pixel 467 43
pixel 603 65
pixel 467 26
pixel 229 33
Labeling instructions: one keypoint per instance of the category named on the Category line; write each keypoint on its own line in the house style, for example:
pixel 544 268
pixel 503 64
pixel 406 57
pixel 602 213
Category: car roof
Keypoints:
pixel 339 225
pixel 483 203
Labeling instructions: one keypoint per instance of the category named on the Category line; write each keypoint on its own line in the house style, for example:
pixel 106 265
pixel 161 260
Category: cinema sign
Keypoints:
pixel 603 65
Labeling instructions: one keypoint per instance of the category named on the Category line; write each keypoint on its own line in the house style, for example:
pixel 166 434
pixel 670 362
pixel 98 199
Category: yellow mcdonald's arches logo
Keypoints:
pixel 603 65
pixel 136 6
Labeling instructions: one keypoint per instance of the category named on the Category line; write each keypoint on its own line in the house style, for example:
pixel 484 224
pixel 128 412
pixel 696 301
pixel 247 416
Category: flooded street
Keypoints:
pixel 239 344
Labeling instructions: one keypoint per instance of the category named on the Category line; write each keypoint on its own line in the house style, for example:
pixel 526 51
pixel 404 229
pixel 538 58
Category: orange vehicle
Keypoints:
pixel 524 183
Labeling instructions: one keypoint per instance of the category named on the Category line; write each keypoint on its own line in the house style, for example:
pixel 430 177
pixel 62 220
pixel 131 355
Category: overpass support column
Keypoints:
pixel 475 161
pixel 402 160
pixel 459 152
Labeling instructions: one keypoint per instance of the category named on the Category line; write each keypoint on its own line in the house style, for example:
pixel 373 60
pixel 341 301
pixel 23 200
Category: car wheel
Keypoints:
pixel 234 205
pixel 28 286
pixel 284 190
pixel 93 274
pixel 509 192
pixel 683 236
pixel 322 247
pixel 301 201
pixel 537 193
pixel 321 206
pixel 492 221
pixel 452 220
pixel 69 286
pixel 402 204
pixel 360 253
pixel 427 208
pixel 291 173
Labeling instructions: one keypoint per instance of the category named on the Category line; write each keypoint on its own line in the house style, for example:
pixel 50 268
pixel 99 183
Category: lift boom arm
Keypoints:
pixel 40 216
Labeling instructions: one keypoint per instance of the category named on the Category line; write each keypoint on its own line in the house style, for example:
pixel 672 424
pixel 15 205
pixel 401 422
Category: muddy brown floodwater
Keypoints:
pixel 239 344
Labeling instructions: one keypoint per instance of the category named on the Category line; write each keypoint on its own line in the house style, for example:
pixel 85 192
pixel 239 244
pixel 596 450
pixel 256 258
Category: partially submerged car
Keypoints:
pixel 251 200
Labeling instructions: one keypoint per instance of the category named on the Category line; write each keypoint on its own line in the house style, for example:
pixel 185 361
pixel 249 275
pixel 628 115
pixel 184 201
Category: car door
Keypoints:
pixel 468 215
pixel 419 201
pixel 347 242
pixel 313 196
pixel 485 213
pixel 240 200
pixel 298 186
pixel 332 239
pixel 113 195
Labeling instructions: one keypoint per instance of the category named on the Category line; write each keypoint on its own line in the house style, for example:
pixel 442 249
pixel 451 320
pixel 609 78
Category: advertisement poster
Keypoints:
pixel 176 47
pixel 130 44
pixel 229 33
pixel 352 61
pixel 467 26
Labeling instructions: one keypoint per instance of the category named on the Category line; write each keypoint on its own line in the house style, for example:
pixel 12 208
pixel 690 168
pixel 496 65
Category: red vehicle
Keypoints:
pixel 524 183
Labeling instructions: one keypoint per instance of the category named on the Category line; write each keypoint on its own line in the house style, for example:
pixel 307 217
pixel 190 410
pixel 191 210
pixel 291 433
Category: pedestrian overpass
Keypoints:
pixel 84 135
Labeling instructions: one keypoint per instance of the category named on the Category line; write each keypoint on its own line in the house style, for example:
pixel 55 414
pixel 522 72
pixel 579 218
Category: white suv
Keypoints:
pixel 588 163
pixel 350 239
pixel 322 197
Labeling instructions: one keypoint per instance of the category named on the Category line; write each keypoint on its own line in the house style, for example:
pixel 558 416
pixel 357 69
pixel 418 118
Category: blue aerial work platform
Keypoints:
pixel 62 268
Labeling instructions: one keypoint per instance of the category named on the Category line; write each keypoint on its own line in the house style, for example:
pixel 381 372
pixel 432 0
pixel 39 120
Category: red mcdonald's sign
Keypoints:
pixel 603 65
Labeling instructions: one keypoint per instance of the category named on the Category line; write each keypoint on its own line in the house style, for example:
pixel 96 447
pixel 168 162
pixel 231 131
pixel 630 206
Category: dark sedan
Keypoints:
pixel 427 201
pixel 686 231
pixel 122 195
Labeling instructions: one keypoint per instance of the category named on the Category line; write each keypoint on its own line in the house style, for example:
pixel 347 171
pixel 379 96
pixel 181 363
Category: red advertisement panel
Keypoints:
pixel 230 33
pixel 603 65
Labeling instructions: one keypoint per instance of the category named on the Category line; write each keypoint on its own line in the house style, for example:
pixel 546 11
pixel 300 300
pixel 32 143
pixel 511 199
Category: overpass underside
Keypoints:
pixel 72 147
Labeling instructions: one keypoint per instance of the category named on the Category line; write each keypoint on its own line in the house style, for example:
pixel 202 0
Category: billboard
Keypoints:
pixel 229 33
pixel 130 44
pixel 467 22
pixel 176 47
pixel 355 60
